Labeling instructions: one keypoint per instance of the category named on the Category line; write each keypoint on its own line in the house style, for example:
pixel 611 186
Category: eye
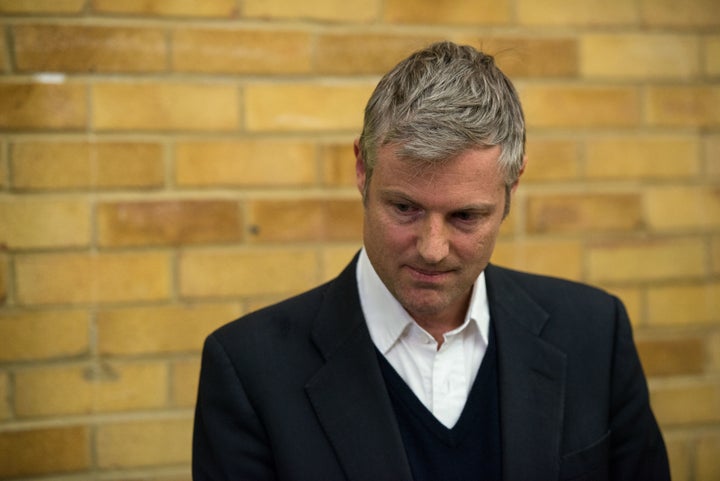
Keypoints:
pixel 466 216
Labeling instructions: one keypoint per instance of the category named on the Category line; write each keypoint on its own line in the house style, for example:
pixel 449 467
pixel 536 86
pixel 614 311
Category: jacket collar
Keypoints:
pixel 531 381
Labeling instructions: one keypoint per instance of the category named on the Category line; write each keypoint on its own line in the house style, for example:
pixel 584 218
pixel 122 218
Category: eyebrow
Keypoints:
pixel 390 194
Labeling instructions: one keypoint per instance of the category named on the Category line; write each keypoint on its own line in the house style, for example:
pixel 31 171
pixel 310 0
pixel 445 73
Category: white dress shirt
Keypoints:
pixel 440 378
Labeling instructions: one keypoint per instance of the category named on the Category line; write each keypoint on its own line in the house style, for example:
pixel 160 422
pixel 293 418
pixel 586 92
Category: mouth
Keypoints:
pixel 431 276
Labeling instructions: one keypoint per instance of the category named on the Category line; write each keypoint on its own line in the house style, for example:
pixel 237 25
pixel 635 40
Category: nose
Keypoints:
pixel 433 244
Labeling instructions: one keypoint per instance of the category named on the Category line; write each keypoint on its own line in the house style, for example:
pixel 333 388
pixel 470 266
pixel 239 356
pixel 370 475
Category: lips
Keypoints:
pixel 427 275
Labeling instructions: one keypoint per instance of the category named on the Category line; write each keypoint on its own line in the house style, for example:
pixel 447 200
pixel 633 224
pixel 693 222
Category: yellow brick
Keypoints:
pixel 555 258
pixel 4 176
pixel 646 260
pixel 576 12
pixel 3 278
pixel 689 13
pixel 241 51
pixel 150 330
pixel 669 357
pixel 472 12
pixel 551 159
pixel 695 402
pixel 580 106
pixel 712 155
pixel 335 259
pixel 78 165
pixel 30 222
pixel 305 107
pixel 685 304
pixel 181 8
pixel 89 389
pixel 299 220
pixel 338 164
pixel 44 451
pixel 711 60
pixel 68 48
pixel 246 272
pixel 356 11
pixel 42 106
pixel 185 374
pixel 363 53
pixel 532 56
pixel 671 208
pixel 144 443
pixel 249 163
pixel 715 254
pixel 634 300
pixel 661 56
pixel 4 397
pixel 714 343
pixel 165 106
pixel 41 6
pixel 584 213
pixel 691 106
pixel 30 335
pixel 4 62
pixel 91 278
pixel 708 461
pixel 679 455
pixel 168 222
pixel 642 157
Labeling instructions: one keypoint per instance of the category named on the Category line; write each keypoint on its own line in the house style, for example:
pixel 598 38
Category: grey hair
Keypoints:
pixel 441 101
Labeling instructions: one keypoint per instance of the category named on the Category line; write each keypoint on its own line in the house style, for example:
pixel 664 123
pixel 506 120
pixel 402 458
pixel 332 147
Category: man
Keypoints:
pixel 422 361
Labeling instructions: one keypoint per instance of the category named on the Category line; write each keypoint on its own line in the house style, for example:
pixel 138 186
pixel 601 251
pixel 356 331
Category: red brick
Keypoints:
pixel 363 53
pixel 69 48
pixel 241 51
pixel 42 106
pixel 169 222
pixel 584 213
pixel 305 220
pixel 204 8
pixel 671 357
pixel 44 451
pixel 531 56
pixel 689 13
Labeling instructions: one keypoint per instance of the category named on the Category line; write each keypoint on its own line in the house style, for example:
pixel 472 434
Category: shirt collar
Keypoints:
pixel 387 320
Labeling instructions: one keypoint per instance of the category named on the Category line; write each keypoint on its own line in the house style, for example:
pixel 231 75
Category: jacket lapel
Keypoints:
pixel 348 393
pixel 532 382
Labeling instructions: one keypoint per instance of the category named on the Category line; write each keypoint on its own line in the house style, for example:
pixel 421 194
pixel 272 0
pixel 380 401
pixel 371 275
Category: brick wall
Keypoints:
pixel 166 166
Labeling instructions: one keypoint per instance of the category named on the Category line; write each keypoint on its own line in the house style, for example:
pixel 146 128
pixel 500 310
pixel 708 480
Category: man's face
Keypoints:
pixel 430 231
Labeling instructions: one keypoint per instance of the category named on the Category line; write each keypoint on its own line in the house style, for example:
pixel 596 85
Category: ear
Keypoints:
pixel 522 169
pixel 359 167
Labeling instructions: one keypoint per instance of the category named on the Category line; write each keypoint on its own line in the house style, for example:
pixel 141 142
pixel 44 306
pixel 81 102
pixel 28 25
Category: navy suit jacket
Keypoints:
pixel 295 391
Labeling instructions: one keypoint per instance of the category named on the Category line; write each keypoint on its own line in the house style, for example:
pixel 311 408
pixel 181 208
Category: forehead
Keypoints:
pixel 470 177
